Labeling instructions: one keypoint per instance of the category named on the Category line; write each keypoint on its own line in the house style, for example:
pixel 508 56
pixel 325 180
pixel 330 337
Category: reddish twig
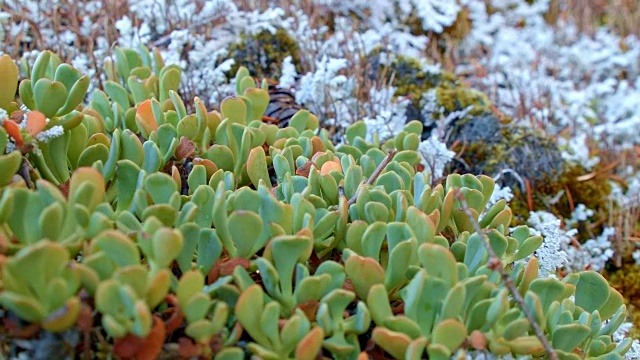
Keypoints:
pixel 496 264
pixel 374 175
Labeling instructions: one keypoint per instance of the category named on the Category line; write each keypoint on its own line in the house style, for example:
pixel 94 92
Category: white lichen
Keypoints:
pixel 46 135
pixel 435 156
pixel 289 74
pixel 551 254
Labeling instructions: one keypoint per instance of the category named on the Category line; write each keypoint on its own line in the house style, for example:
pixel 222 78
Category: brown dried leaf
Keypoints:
pixel 17 116
pixel 310 308
pixel 14 330
pixel 227 267
pixel 175 320
pixel 224 267
pixel 185 148
pixel 64 188
pixel 85 318
pixel 188 349
pixel 305 169
pixel 148 348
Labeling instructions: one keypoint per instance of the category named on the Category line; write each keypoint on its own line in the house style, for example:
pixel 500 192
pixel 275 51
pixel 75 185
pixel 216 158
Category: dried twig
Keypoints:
pixel 374 175
pixel 165 40
pixel 496 264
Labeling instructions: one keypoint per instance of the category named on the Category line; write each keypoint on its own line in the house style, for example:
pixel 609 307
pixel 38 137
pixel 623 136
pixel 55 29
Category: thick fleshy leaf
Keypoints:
pixel 395 343
pixel 245 228
pixel 9 79
pixel 49 96
pixel 10 164
pixel 363 273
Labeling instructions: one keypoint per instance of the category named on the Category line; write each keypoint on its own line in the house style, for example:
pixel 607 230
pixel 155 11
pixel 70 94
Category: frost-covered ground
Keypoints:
pixel 582 89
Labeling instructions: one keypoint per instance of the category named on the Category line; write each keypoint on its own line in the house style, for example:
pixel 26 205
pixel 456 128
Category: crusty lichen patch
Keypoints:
pixel 264 52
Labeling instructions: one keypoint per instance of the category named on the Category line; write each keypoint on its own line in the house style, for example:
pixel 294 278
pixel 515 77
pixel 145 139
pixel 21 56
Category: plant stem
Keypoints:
pixel 374 175
pixel 496 264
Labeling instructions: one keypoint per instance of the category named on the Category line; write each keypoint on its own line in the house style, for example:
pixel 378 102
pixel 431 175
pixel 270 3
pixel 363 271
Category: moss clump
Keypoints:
pixel 559 197
pixel 454 97
pixel 627 281
pixel 264 52
pixel 456 32
pixel 532 165
pixel 489 147
pixel 412 80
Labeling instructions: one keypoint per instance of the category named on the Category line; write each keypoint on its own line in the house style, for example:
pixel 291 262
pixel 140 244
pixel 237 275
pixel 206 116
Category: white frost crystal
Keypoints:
pixel 54 132
pixel 551 255
pixel 288 78
pixel 435 156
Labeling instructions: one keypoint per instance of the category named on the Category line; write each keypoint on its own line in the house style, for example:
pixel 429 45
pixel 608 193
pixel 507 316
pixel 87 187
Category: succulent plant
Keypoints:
pixel 47 293
pixel 265 240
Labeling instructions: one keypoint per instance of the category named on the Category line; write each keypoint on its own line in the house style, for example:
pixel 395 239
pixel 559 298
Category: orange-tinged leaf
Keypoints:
pixel 395 343
pixel 209 165
pixel 331 165
pixel 153 342
pixel 305 169
pixel 14 131
pixel 147 348
pixel 188 349
pixel 317 145
pixel 310 345
pixel 36 122
pixel 477 340
pixel 146 114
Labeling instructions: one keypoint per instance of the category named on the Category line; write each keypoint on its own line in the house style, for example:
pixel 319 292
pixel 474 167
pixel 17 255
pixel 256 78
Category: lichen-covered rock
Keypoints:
pixel 531 164
pixel 489 147
pixel 264 52
pixel 433 93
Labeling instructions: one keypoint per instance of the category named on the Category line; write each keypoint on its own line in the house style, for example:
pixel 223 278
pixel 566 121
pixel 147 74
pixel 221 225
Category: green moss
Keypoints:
pixel 263 53
pixel 455 33
pixel 490 147
pixel 567 190
pixel 412 81
pixel 627 281
pixel 457 97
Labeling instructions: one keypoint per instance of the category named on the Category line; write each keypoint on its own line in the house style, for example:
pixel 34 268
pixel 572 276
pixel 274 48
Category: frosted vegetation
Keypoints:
pixel 581 89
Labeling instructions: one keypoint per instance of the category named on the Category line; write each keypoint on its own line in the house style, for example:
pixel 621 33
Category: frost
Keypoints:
pixel 623 332
pixel 500 193
pixel 577 152
pixel 387 115
pixel 289 74
pixel 435 14
pixel 4 19
pixel 435 156
pixel 580 213
pixel 558 79
pixel 131 36
pixel 594 253
pixel 327 86
pixel 551 254
pixel 54 132
pixel 634 352
pixel 636 256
